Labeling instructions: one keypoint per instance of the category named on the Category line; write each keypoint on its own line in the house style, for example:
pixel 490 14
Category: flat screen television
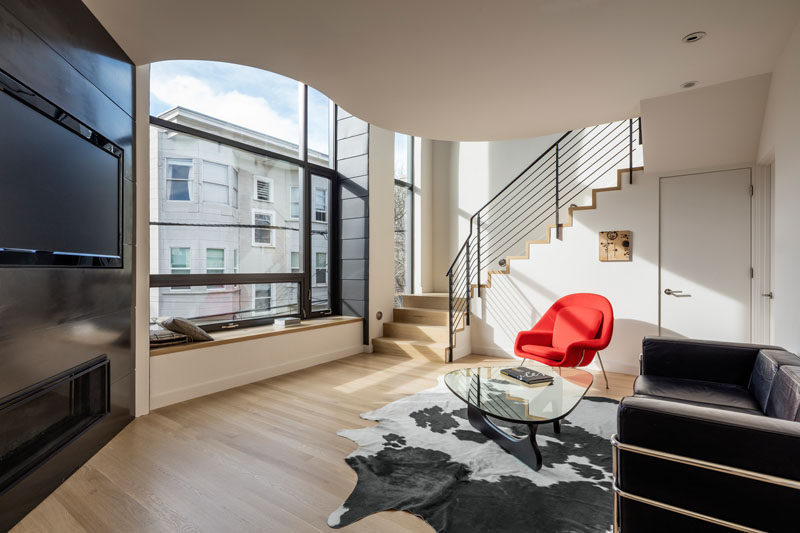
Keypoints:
pixel 59 193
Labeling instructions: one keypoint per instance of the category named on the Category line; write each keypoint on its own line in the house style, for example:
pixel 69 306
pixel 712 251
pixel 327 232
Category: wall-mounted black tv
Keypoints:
pixel 59 193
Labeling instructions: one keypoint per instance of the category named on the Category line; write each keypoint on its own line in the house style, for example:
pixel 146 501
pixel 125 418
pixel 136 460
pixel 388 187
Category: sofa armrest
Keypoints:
pixel 738 439
pixel 720 362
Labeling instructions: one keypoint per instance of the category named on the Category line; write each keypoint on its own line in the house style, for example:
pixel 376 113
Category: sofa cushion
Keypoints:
pixel 784 398
pixel 706 393
pixel 766 367
pixel 575 323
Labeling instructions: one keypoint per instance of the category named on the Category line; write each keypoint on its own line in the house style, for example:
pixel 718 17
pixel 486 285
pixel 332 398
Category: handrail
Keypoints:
pixel 567 168
pixel 554 145
pixel 501 191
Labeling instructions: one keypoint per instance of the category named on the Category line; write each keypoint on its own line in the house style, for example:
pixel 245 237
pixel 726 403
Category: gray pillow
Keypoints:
pixel 188 328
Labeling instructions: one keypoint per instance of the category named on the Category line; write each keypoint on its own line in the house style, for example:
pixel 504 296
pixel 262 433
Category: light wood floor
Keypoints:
pixel 263 457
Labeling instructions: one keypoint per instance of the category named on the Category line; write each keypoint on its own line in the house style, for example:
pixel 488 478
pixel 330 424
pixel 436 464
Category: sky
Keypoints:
pixel 253 98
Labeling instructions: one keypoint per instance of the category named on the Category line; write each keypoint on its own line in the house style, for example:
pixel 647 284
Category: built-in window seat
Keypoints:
pixel 237 357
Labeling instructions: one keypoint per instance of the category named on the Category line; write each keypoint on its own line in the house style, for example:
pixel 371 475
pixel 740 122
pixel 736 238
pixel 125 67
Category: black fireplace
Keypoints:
pixel 38 421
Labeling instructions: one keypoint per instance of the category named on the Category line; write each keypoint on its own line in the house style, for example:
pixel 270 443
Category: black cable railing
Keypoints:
pixel 538 198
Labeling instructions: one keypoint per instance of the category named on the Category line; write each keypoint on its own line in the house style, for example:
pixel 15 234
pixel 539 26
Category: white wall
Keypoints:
pixel 516 301
pixel 180 376
pixel 443 215
pixel 704 128
pixel 381 229
pixel 780 141
pixel 467 175
pixel 141 338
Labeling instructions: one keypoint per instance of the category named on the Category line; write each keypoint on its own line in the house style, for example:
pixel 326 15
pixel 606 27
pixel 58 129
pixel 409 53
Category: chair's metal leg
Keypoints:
pixel 559 370
pixel 603 368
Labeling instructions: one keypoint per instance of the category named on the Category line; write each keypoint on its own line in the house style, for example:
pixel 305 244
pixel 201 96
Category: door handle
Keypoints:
pixel 769 295
pixel 677 294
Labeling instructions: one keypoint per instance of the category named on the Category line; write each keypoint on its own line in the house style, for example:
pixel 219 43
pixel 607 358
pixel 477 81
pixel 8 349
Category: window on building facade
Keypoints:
pixel 179 264
pixel 262 299
pixel 215 183
pixel 321 268
pixel 235 189
pixel 294 202
pixel 179 260
pixel 179 172
pixel 215 264
pixel 263 236
pixel 263 190
pixel 238 183
pixel 320 204
pixel 320 243
pixel 403 214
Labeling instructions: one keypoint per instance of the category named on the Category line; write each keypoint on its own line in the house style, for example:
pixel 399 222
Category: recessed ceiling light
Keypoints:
pixel 693 37
pixel 689 84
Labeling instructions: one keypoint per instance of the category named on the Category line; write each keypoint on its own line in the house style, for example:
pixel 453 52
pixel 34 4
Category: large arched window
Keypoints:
pixel 242 181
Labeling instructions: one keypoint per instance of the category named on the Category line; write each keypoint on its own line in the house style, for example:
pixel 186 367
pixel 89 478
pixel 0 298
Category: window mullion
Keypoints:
pixel 306 247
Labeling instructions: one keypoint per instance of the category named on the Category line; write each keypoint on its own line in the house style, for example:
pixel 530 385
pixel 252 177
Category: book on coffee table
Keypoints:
pixel 527 375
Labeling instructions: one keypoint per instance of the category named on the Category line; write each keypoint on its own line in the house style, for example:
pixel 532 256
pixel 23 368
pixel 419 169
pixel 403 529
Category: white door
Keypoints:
pixel 705 256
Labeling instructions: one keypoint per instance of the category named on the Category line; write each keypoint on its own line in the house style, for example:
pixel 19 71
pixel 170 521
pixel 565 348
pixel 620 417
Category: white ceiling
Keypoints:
pixel 468 69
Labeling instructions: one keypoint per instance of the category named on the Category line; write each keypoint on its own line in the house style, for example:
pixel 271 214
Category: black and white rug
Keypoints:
pixel 424 457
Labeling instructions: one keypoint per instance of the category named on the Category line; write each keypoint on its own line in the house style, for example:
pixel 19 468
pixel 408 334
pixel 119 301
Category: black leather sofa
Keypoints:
pixel 710 440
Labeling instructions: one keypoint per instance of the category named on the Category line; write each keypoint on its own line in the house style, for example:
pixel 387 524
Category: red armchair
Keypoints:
pixel 571 332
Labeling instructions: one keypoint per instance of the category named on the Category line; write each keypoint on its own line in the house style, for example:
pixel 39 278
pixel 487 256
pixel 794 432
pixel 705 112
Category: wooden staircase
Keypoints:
pixel 419 329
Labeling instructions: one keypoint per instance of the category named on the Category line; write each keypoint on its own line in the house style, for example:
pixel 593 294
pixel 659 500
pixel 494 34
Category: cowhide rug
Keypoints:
pixel 424 457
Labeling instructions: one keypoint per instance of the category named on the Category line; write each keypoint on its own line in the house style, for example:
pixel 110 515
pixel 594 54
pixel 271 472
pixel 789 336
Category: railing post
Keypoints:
pixel 630 152
pixel 479 253
pixel 450 314
pixel 640 130
pixel 469 291
pixel 558 205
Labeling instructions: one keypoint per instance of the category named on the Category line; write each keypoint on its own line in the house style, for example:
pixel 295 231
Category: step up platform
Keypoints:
pixel 420 328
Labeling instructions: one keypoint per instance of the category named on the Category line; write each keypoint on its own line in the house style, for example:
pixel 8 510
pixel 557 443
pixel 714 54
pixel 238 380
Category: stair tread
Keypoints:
pixel 435 294
pixel 413 342
pixel 425 309
pixel 416 325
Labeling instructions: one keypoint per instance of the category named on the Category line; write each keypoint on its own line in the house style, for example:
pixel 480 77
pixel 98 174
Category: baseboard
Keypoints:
pixel 611 366
pixel 251 376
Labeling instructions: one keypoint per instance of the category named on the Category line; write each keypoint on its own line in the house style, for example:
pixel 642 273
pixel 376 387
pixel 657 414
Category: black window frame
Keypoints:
pixel 303 279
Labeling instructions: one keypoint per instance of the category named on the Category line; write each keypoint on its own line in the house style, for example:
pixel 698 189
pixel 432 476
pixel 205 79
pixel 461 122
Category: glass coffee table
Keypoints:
pixel 487 392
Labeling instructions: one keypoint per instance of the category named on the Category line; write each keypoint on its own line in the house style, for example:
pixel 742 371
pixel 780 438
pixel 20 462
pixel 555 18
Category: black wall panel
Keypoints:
pixel 52 319
pixel 30 58
pixel 353 197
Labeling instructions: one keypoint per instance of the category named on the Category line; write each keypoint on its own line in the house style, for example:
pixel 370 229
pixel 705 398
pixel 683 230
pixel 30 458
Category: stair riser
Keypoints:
pixel 430 317
pixel 382 346
pixel 416 332
pixel 428 302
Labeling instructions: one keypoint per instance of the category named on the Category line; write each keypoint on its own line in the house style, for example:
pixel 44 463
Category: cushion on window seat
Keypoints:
pixel 188 328
pixel 706 393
